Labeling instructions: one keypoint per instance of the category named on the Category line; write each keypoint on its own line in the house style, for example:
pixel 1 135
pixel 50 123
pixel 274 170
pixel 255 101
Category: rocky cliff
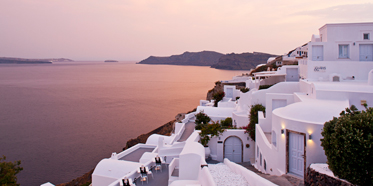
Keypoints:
pixel 244 61
pixel 219 87
pixel 204 58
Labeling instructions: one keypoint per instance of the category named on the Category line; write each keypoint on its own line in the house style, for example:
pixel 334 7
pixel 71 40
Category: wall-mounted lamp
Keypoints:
pixel 310 137
pixel 354 43
pixel 282 131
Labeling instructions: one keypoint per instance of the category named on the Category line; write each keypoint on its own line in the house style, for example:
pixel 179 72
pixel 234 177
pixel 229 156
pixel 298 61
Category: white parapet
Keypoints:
pixel 251 178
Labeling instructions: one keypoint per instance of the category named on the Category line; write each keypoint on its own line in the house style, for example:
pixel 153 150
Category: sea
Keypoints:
pixel 61 119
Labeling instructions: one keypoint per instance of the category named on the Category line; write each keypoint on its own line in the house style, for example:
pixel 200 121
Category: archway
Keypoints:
pixel 233 149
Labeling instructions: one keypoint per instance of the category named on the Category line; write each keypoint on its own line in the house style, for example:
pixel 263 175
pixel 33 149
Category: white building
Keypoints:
pixel 335 72
pixel 297 53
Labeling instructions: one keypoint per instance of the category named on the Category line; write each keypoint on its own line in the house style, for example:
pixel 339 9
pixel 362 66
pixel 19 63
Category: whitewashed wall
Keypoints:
pixel 275 156
pixel 217 149
pixel 240 119
pixel 259 97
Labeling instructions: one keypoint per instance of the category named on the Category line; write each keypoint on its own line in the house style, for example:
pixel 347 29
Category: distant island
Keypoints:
pixel 244 61
pixel 111 61
pixel 9 60
pixel 204 58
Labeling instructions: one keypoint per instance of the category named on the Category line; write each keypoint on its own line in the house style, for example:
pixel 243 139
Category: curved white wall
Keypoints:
pixel 259 97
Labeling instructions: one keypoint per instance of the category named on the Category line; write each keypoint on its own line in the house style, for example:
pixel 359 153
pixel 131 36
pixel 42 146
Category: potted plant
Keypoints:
pixel 207 132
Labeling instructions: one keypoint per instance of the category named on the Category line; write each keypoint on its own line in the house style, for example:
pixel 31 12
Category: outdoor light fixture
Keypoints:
pixel 310 137
pixel 282 131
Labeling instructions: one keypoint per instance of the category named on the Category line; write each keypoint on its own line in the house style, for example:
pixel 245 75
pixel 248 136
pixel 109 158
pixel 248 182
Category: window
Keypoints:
pixel 260 159
pixel 257 151
pixel 274 138
pixel 366 36
pixel 343 51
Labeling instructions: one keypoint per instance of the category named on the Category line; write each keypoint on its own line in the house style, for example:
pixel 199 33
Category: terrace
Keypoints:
pixel 135 155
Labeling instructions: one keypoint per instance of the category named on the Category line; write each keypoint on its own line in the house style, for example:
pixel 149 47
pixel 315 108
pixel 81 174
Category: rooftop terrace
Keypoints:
pixel 136 155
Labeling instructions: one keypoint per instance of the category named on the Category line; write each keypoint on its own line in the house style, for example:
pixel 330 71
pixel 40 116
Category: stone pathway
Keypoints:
pixel 293 180
pixel 284 180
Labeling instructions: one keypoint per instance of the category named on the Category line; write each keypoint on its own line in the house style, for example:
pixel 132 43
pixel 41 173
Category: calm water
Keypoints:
pixel 60 120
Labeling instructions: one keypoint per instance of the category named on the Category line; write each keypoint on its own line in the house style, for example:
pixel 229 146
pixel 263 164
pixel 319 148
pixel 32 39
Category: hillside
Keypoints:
pixel 244 61
pixel 204 58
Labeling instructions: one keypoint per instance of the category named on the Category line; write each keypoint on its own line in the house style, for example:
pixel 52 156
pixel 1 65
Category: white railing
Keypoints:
pixel 251 178
pixel 180 127
pixel 170 151
pixel 174 164
pixel 179 130
pixel 205 177
pixel 194 137
pixel 264 122
pixel 265 149
pixel 132 149
pixel 188 117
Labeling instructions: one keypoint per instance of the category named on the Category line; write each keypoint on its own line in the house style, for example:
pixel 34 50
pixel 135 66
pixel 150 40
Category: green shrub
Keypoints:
pixel 264 86
pixel 218 97
pixel 8 171
pixel 208 130
pixel 253 118
pixel 244 90
pixel 201 120
pixel 348 145
pixel 226 123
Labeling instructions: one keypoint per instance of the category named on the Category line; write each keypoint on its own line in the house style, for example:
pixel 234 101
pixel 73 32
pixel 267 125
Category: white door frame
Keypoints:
pixel 241 146
pixel 287 150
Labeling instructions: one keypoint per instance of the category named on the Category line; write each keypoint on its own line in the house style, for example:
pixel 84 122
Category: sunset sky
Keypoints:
pixel 135 29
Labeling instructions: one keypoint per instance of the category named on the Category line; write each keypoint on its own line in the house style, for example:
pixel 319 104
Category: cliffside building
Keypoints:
pixel 334 71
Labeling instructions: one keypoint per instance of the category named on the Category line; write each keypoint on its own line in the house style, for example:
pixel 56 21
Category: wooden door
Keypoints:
pixel 296 154
pixel 233 149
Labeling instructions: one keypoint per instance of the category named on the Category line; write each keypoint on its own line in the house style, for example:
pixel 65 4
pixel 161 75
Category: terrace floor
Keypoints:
pixel 136 155
pixel 160 178
pixel 189 129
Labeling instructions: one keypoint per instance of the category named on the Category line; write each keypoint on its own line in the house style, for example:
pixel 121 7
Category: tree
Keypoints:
pixel 348 142
pixel 254 119
pixel 210 130
pixel 218 97
pixel 8 171
pixel 201 120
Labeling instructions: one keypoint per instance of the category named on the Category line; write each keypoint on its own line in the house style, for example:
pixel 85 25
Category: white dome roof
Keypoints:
pixel 313 111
